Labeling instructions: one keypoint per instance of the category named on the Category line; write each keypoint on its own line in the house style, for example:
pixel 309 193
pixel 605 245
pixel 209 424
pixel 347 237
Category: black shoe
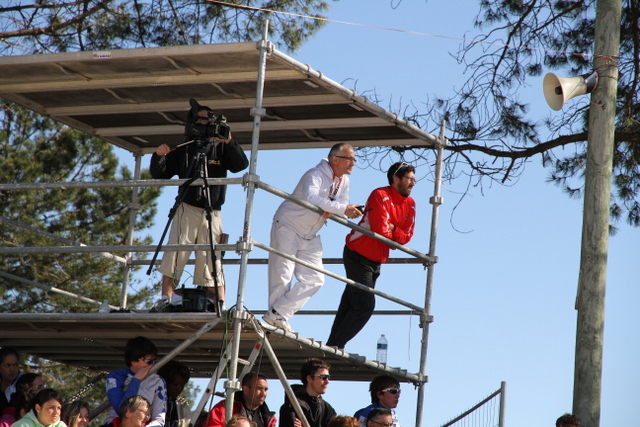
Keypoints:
pixel 163 305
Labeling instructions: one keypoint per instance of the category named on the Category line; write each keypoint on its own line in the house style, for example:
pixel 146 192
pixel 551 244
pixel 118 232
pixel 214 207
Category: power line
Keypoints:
pixel 418 33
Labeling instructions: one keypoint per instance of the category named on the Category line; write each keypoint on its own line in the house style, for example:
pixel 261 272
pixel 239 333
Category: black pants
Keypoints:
pixel 356 306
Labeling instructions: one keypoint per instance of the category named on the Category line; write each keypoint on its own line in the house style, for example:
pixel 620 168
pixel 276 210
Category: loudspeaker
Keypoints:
pixel 558 90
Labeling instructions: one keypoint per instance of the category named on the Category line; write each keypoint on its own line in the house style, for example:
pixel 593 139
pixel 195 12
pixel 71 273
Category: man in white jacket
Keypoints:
pixel 294 231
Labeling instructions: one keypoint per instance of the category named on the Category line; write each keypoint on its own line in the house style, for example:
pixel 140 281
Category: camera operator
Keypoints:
pixel 190 225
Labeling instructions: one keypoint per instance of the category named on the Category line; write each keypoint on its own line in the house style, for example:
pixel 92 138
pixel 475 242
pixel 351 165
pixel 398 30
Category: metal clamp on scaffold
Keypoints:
pixel 258 112
pixel 250 178
pixel 239 314
pixel 232 386
pixel 242 246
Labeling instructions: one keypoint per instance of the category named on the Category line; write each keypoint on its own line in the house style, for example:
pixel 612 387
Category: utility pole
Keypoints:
pixel 595 222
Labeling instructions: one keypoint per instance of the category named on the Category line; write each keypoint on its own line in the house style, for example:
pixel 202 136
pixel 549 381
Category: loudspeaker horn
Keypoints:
pixel 558 90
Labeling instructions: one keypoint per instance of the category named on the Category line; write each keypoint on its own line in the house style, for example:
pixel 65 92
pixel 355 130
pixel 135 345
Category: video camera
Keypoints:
pixel 215 128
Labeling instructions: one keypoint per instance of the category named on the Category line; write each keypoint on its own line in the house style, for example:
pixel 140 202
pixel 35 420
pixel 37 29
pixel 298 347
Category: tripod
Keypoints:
pixel 197 168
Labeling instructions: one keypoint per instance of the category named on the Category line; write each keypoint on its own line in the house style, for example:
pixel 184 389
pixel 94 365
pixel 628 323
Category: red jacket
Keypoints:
pixel 385 206
pixel 217 416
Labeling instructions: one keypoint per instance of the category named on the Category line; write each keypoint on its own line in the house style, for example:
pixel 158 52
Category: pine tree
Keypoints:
pixel 37 150
pixel 492 132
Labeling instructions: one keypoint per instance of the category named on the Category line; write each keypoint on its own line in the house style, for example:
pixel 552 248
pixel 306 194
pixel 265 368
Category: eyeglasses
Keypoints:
pixel 382 424
pixel 391 390
pixel 323 377
pixel 410 179
pixel 351 159
pixel 149 361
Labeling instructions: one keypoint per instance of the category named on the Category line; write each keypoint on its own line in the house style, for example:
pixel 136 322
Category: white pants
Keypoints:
pixel 190 227
pixel 284 297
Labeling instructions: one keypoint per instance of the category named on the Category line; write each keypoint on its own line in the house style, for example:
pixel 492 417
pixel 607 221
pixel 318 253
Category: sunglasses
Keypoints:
pixel 391 390
pixel 323 377
pixel 149 361
pixel 382 424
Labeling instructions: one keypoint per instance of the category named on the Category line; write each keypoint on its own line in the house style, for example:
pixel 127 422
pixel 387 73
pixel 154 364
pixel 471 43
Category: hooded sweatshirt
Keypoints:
pixel 31 420
pixel 316 410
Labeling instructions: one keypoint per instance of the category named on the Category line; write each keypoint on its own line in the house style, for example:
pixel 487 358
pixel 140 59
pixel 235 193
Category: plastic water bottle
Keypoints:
pixel 381 354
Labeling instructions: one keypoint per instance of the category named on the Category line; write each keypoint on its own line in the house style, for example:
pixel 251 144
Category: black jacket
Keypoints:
pixel 220 158
pixel 317 410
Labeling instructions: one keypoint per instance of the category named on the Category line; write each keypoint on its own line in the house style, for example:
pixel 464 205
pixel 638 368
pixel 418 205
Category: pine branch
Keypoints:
pixel 53 28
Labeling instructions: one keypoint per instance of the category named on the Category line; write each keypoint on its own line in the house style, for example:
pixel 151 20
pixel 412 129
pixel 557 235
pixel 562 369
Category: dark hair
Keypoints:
pixel 310 367
pixel 137 348
pixel 343 421
pixel 568 420
pixel 174 368
pixel 247 379
pixel 6 351
pixel 376 412
pixel 26 380
pixel 336 148
pixel 71 412
pixel 24 383
pixel 379 383
pixel 43 397
pixel 399 169
pixel 132 403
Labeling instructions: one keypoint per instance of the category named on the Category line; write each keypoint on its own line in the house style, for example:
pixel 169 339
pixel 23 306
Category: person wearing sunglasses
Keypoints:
pixel 315 377
pixel 380 417
pixel 294 232
pixel 390 211
pixel 139 354
pixel 385 394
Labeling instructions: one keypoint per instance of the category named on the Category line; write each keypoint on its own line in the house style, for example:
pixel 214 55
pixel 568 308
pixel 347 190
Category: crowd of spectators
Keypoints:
pixel 146 399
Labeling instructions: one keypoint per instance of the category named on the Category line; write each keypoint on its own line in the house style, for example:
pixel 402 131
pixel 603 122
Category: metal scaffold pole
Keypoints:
pixel 244 246
pixel 133 213
pixel 426 318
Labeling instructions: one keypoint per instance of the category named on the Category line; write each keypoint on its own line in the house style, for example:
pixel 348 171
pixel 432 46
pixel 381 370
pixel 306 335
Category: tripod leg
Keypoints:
pixel 172 212
pixel 208 209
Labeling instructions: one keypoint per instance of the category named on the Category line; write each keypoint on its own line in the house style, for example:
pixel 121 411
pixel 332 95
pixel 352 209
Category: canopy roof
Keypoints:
pixel 96 341
pixel 138 99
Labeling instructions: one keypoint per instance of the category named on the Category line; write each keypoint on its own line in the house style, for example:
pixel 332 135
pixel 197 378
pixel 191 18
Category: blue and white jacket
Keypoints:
pixel 122 384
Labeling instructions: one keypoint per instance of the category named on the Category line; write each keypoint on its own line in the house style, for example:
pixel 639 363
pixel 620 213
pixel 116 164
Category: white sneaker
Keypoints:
pixel 276 320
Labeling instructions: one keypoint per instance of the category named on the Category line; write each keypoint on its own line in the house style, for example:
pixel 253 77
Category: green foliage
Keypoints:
pixel 34 149
pixel 50 26
pixel 37 150
pixel 69 380
pixel 493 133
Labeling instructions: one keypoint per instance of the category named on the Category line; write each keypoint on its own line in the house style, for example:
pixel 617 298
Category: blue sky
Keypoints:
pixel 505 285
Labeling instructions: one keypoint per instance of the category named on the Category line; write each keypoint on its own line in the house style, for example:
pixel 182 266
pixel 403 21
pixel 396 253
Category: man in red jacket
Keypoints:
pixel 390 212
pixel 249 402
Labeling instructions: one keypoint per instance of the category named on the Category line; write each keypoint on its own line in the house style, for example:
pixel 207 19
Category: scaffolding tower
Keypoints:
pixel 136 99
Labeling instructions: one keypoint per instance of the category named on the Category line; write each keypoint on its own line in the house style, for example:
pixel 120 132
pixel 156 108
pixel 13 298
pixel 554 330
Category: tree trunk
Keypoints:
pixel 595 226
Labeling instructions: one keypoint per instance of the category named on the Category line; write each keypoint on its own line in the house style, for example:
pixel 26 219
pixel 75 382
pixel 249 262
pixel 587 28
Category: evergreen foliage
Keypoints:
pixel 38 150
pixel 46 26
pixel 35 149
pixel 492 131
